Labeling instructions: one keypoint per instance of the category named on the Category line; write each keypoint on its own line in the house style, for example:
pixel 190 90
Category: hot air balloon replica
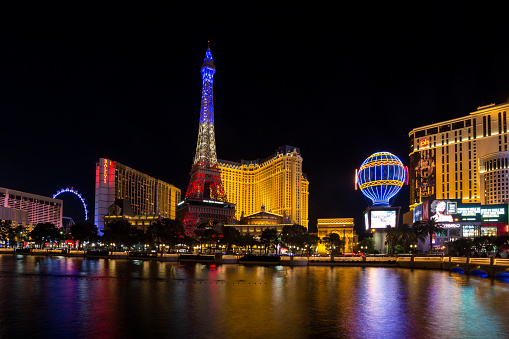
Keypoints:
pixel 380 178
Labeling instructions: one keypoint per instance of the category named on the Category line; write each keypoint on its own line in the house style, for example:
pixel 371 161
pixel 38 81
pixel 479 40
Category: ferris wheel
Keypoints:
pixel 73 191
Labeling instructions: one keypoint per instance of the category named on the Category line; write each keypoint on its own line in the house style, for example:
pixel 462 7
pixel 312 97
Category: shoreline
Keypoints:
pixel 491 267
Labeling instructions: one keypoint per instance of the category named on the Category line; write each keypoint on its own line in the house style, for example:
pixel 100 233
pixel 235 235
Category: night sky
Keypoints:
pixel 78 83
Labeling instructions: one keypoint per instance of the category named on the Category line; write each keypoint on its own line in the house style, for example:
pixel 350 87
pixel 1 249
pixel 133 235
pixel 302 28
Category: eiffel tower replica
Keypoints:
pixel 205 202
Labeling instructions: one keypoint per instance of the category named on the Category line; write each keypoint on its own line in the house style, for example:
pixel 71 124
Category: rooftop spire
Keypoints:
pixel 208 62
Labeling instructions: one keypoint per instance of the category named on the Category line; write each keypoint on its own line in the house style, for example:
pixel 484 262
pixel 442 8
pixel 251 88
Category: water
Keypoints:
pixel 92 298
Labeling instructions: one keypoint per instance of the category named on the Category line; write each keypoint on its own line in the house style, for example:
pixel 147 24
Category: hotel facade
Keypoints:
pixel 464 158
pixel 277 183
pixel 147 195
pixel 459 174
pixel 29 209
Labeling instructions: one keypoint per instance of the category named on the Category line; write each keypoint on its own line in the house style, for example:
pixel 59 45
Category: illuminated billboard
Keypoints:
pixel 448 211
pixel 380 217
pixel 422 175
pixel 383 218
pixel 417 213
pixel 494 213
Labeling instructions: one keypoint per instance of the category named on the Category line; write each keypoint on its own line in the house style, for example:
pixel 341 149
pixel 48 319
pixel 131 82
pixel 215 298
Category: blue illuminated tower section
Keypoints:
pixel 206 147
pixel 205 202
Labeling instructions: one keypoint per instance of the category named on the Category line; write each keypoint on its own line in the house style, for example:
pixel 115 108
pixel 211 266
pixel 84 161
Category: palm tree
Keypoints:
pixel 391 238
pixel 425 228
pixel 405 235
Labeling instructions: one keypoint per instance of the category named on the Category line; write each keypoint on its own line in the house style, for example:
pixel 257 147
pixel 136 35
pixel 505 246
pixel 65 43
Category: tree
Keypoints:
pixel 84 231
pixel 406 235
pixel 166 232
pixel 310 242
pixel 45 233
pixel 118 233
pixel 293 236
pixel 230 237
pixel 247 241
pixel 269 238
pixel 5 226
pixel 331 242
pixel 502 242
pixel 391 238
pixel 462 246
pixel 207 237
pixel 425 229
pixel 368 245
pixel 483 244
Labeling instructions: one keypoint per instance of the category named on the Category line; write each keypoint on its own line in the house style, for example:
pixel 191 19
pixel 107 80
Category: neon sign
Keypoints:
pixel 105 170
pixel 424 142
pixel 380 177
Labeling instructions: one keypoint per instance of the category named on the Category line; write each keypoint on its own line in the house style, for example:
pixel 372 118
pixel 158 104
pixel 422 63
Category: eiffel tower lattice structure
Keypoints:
pixel 205 201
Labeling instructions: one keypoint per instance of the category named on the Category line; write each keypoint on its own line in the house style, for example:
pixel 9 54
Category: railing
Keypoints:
pixel 480 261
pixel 501 262
pixel 381 258
pixel 460 260
pixel 428 259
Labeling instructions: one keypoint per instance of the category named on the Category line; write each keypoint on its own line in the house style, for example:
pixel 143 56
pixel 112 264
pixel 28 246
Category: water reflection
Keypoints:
pixel 56 296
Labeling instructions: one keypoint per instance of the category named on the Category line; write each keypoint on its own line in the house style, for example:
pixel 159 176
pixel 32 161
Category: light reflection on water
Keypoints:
pixel 62 297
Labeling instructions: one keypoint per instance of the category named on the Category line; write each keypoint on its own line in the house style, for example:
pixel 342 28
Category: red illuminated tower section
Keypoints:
pixel 205 201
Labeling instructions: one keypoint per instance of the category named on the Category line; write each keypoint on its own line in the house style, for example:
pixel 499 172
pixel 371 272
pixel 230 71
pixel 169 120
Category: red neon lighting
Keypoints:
pixel 424 142
pixel 406 175
pixel 105 174
pixel 356 178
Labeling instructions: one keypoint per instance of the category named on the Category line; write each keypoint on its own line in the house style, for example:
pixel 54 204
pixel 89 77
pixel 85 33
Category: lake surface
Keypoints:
pixel 99 298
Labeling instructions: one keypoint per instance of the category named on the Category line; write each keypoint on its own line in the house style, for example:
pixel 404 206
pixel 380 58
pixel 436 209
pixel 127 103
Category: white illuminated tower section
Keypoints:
pixel 205 201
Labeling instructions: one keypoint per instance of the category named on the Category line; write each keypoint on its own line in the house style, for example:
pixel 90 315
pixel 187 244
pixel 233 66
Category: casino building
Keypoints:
pixel 459 173
pixel 29 209
pixel 464 158
pixel 276 182
pixel 147 195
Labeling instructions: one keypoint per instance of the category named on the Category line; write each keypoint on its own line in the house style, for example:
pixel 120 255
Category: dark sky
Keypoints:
pixel 78 83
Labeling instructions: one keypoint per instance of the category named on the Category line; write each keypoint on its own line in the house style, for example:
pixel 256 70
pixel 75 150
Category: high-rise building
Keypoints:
pixel 30 209
pixel 276 182
pixel 205 200
pixel 148 195
pixel 464 158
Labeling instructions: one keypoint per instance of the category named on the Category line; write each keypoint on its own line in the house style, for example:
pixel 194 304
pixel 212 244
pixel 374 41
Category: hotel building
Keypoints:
pixel 277 183
pixel 464 158
pixel 459 174
pixel 147 195
pixel 29 209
